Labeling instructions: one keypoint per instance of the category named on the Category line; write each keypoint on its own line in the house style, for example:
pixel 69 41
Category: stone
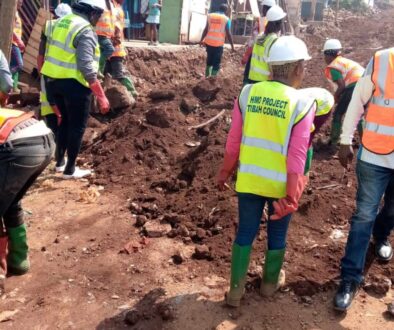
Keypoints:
pixel 132 317
pixel 206 90
pixel 188 105
pixel 378 284
pixel 202 252
pixel 119 97
pixel 161 95
pixel 156 229
pixel 157 117
pixel 141 220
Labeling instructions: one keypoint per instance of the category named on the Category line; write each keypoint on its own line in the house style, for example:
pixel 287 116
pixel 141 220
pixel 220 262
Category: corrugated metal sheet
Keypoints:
pixel 28 14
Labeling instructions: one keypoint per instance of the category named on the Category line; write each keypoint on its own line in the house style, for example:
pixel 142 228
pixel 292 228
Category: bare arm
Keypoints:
pixel 341 88
pixel 204 33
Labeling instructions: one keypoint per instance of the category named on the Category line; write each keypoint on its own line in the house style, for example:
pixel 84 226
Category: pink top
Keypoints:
pixel 298 145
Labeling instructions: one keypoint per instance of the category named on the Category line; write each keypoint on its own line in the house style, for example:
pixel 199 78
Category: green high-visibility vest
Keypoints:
pixel 61 58
pixel 259 69
pixel 270 110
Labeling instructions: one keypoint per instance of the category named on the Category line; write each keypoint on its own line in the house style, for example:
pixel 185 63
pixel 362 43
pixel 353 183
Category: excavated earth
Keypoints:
pixel 165 169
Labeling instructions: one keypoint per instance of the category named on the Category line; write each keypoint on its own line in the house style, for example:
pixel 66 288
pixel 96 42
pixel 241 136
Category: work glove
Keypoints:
pixel 100 96
pixel 345 155
pixel 3 99
pixel 19 42
pixel 40 62
pixel 57 113
pixel 3 254
pixel 227 169
pixel 289 204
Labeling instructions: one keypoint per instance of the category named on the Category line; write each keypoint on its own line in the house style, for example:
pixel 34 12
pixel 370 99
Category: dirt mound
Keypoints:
pixel 155 160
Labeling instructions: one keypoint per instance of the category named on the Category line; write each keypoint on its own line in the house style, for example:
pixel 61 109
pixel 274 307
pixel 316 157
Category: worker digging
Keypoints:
pixel 235 173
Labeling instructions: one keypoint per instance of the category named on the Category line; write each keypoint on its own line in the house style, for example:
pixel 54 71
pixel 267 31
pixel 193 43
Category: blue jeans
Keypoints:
pixel 16 63
pixel 250 209
pixel 373 182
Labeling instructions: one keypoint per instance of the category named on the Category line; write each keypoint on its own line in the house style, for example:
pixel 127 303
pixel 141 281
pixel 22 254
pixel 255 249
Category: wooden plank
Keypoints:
pixel 7 17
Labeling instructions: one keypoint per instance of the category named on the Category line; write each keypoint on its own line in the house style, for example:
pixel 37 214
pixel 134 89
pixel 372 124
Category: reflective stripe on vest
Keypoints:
pixel 378 135
pixel 17 27
pixel 61 58
pixel 9 119
pixel 46 108
pixel 119 17
pixel 259 69
pixel 105 26
pixel 351 71
pixel 269 111
pixel 216 35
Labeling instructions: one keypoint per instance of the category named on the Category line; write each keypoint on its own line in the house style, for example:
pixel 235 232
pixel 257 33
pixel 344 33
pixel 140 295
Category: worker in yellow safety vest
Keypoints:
pixel 115 64
pixel 259 69
pixel 343 75
pixel 17 48
pixel 26 148
pixel 70 72
pixel 214 36
pixel 258 31
pixel 373 97
pixel 324 104
pixel 105 29
pixel 52 119
pixel 269 138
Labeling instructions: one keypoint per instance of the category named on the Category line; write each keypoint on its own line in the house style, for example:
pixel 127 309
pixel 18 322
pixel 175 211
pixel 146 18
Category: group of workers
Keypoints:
pixel 270 140
pixel 270 144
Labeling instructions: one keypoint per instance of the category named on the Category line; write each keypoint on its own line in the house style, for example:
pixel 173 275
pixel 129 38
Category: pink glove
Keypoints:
pixel 57 113
pixel 228 167
pixel 40 62
pixel 289 204
pixel 3 99
pixel 100 95
pixel 3 254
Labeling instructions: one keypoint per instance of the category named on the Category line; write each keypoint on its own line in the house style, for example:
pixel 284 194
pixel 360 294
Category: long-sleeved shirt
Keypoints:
pixel 5 75
pixel 361 95
pixel 298 146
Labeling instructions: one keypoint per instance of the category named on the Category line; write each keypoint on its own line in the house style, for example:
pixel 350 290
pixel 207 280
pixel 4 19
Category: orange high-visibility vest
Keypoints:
pixel 216 35
pixel 120 51
pixel 378 135
pixel 105 26
pixel 351 71
pixel 9 119
pixel 17 27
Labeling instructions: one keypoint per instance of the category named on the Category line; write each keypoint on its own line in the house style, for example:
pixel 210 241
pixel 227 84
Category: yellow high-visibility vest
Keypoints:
pixel 270 110
pixel 46 108
pixel 259 69
pixel 60 58
pixel 324 99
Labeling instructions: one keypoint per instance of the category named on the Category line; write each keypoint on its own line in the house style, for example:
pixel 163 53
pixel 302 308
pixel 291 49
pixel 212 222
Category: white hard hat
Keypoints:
pixel 275 13
pixel 62 10
pixel 287 49
pixel 332 44
pixel 95 3
pixel 269 3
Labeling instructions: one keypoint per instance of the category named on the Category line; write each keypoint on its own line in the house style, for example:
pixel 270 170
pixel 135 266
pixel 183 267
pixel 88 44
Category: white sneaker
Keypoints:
pixel 60 169
pixel 78 174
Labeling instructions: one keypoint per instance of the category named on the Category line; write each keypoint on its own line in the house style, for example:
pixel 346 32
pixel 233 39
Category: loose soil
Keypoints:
pixel 94 265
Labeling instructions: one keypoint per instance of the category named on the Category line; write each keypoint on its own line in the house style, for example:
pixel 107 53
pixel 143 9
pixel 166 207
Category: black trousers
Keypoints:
pixel 73 101
pixel 21 162
pixel 214 57
pixel 342 105
pixel 114 66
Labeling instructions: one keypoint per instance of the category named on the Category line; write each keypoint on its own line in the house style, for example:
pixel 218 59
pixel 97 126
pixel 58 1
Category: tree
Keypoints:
pixel 7 17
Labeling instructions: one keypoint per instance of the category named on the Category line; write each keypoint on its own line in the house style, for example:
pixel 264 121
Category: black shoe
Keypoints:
pixel 383 250
pixel 345 295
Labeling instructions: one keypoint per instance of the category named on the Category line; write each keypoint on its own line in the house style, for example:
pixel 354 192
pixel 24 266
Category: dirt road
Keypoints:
pixel 155 177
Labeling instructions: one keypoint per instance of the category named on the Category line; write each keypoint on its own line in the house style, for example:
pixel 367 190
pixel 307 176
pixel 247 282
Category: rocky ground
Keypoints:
pixel 145 243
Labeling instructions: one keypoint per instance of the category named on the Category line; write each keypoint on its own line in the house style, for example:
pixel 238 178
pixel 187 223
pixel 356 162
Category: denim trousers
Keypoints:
pixel 250 209
pixel 21 162
pixel 373 182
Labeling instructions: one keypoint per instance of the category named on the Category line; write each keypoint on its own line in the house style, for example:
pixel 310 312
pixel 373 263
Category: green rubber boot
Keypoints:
pixel 15 78
pixel 102 61
pixel 128 83
pixel 215 72
pixel 308 163
pixel 335 133
pixel 274 276
pixel 208 71
pixel 17 260
pixel 239 267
